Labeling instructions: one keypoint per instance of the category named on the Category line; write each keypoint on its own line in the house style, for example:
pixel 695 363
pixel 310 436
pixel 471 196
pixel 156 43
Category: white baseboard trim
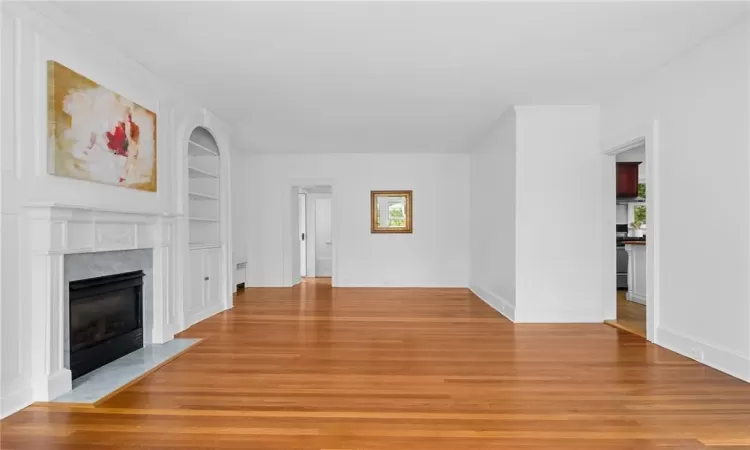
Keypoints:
pixel 636 298
pixel 496 302
pixel 559 316
pixel 160 335
pixel 721 359
pixel 204 314
pixel 399 286
pixel 15 401
pixel 53 385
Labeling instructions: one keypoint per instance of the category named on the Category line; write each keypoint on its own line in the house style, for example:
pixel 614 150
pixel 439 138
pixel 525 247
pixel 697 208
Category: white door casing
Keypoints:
pixel 323 238
pixel 303 234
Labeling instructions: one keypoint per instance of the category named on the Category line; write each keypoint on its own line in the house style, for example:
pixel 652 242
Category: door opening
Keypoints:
pixel 632 302
pixel 631 238
pixel 313 233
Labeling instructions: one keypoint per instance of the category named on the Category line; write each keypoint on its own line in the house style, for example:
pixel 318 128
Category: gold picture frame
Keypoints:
pixel 395 207
pixel 98 135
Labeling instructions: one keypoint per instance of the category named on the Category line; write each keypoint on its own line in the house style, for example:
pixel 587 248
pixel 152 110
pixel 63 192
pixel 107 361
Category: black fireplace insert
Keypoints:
pixel 106 320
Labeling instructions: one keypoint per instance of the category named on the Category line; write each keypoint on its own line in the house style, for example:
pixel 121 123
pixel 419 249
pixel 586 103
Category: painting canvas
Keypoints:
pixel 96 134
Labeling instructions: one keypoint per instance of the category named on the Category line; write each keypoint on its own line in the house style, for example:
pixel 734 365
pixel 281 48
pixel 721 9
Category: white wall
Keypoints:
pixel 493 216
pixel 240 214
pixel 559 214
pixel 436 254
pixel 28 39
pixel 701 102
pixel 537 207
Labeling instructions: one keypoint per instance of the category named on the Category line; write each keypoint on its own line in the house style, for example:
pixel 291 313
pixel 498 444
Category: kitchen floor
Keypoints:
pixel 631 316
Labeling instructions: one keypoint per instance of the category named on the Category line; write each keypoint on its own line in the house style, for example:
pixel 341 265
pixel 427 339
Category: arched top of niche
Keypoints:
pixel 203 138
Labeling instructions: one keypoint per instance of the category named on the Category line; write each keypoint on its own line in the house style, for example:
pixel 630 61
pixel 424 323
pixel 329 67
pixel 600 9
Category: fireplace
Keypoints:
pixel 106 320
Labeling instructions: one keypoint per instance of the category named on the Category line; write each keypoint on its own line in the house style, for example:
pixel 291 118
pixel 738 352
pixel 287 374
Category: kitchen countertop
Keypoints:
pixel 627 242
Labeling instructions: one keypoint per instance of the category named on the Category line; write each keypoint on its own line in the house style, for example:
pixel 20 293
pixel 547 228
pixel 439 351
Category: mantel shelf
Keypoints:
pixel 56 205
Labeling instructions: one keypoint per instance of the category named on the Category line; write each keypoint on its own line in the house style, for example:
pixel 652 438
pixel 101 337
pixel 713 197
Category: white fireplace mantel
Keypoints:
pixel 53 230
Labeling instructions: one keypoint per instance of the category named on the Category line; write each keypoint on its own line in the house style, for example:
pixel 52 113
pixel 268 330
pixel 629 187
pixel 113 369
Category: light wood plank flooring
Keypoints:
pixel 320 368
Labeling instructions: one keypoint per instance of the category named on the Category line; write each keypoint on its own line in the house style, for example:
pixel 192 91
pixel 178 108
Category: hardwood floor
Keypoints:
pixel 318 368
pixel 631 316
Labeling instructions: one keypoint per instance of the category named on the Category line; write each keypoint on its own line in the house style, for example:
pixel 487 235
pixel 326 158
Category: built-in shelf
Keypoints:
pixel 204 219
pixel 196 149
pixel 204 192
pixel 202 245
pixel 195 172
pixel 199 196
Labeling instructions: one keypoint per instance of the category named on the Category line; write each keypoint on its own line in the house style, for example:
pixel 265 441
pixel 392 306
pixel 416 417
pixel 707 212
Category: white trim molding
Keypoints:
pixel 634 297
pixel 628 145
pixel 496 302
pixel 53 230
pixel 14 400
pixel 721 359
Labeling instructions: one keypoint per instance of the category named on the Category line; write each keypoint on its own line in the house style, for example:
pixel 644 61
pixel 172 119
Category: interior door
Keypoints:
pixel 212 273
pixel 323 243
pixel 303 234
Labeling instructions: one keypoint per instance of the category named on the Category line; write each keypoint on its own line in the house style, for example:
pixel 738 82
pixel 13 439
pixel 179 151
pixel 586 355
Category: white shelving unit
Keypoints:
pixel 203 190
pixel 203 254
pixel 199 196
pixel 195 172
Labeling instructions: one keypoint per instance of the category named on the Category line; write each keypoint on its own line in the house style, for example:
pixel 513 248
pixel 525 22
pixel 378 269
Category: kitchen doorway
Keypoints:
pixel 631 241
pixel 631 304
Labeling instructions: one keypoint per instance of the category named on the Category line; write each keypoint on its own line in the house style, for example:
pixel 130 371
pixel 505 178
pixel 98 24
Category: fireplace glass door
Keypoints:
pixel 106 320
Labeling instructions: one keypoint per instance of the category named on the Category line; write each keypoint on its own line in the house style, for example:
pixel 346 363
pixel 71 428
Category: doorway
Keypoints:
pixel 631 240
pixel 631 304
pixel 313 231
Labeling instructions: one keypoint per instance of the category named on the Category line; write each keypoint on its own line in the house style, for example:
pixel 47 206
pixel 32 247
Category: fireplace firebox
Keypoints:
pixel 106 320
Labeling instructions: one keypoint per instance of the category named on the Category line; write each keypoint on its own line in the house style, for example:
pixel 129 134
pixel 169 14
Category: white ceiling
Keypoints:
pixel 395 77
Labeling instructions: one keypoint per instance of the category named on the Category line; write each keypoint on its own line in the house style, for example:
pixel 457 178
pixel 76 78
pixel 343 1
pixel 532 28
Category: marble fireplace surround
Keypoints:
pixel 82 266
pixel 53 231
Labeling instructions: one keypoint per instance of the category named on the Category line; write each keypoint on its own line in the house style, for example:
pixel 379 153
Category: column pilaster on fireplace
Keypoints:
pixel 48 298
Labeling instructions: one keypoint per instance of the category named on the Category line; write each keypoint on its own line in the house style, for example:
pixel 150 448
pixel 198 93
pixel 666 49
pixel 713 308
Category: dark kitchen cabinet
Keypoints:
pixel 627 179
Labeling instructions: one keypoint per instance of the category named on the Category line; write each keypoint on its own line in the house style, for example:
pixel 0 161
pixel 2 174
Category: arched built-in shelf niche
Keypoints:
pixel 206 270
pixel 204 188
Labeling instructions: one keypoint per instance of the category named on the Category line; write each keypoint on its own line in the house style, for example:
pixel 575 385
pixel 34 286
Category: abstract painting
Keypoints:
pixel 98 135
